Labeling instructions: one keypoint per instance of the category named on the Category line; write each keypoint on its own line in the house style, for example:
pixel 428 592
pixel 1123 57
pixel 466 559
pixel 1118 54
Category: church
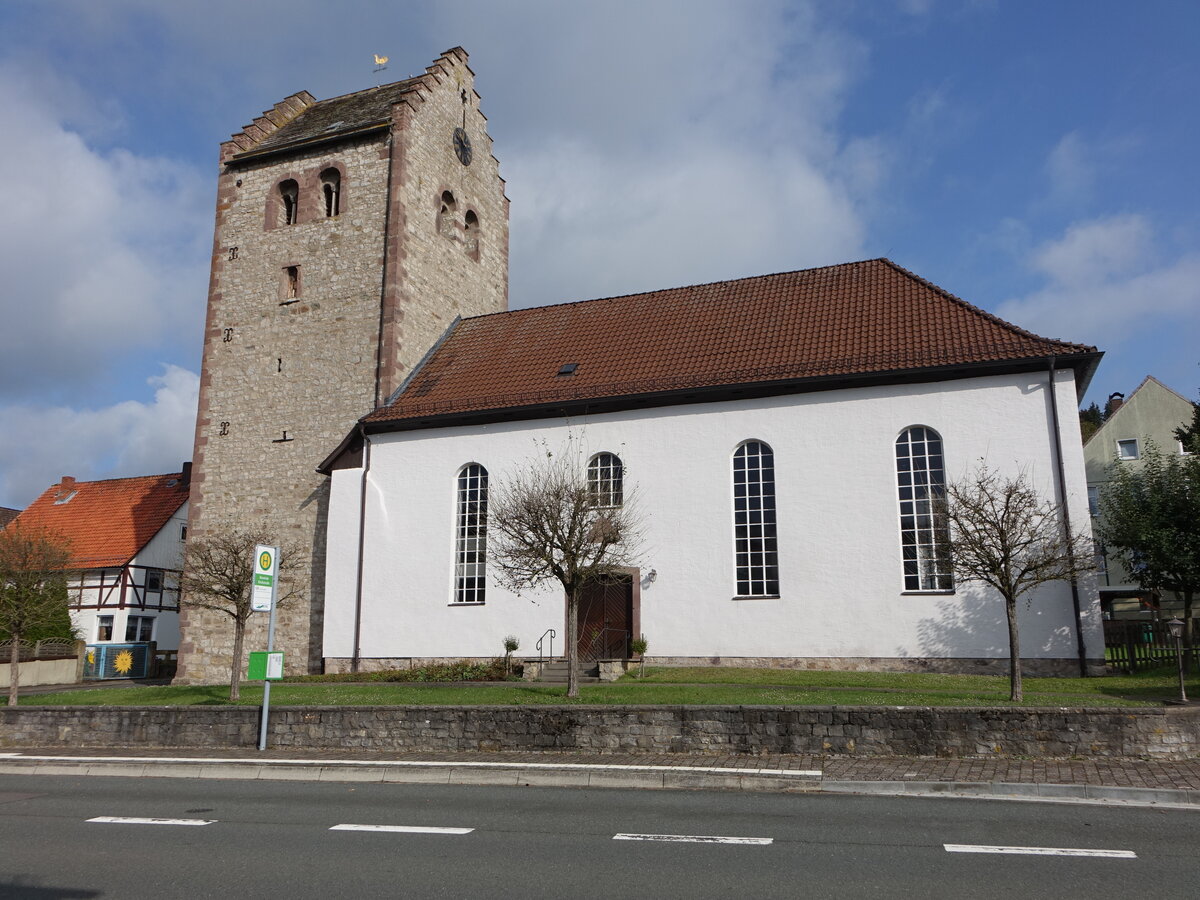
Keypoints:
pixel 364 383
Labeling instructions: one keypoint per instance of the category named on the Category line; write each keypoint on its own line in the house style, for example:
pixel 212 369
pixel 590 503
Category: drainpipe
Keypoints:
pixel 1066 514
pixel 362 541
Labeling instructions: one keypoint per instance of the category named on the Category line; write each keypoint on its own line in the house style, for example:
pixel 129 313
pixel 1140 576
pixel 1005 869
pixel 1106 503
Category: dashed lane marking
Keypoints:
pixel 692 839
pixel 1039 851
pixel 131 820
pixel 403 829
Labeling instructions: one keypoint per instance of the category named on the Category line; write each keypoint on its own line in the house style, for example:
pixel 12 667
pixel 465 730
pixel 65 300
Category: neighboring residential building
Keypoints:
pixel 784 434
pixel 7 515
pixel 349 233
pixel 1150 416
pixel 127 541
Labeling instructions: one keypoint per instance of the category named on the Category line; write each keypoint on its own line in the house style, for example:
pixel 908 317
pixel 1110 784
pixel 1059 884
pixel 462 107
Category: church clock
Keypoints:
pixel 462 146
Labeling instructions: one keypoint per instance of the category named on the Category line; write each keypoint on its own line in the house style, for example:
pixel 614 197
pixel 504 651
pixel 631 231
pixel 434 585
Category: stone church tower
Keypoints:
pixel 350 233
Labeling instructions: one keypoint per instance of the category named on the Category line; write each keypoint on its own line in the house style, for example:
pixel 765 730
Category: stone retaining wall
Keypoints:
pixel 860 731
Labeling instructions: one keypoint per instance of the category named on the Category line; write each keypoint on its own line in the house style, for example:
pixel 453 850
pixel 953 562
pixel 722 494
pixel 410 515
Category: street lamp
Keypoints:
pixel 1175 629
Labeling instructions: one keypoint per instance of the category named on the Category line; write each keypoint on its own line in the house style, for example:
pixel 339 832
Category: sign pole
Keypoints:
pixel 263 597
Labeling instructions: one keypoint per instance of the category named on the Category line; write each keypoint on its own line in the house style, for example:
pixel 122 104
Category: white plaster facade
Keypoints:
pixel 841 599
pixel 120 592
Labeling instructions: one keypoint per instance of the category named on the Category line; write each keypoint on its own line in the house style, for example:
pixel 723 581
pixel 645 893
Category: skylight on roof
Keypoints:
pixel 568 368
pixel 64 498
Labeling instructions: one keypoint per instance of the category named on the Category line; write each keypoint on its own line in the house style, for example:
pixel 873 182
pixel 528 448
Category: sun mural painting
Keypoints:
pixel 124 662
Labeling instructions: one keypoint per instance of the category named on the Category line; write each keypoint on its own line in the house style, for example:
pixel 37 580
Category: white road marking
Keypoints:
pixel 692 839
pixel 1039 851
pixel 128 820
pixel 419 763
pixel 404 829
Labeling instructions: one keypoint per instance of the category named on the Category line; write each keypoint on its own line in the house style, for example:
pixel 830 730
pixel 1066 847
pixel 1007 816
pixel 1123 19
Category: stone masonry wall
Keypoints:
pixel 861 731
pixel 283 382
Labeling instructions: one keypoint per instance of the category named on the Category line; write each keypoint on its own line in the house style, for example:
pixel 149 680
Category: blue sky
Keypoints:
pixel 1037 159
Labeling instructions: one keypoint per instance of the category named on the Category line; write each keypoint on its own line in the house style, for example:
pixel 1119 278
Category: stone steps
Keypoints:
pixel 556 673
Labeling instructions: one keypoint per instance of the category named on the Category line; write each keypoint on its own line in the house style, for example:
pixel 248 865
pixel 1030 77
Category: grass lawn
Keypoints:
pixel 699 686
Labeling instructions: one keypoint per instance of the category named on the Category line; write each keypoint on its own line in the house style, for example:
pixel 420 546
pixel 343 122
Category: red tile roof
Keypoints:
pixel 861 318
pixel 106 522
pixel 7 514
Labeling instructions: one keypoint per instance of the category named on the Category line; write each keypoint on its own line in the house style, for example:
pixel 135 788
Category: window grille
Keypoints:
pixel 921 482
pixel 756 549
pixel 471 546
pixel 606 480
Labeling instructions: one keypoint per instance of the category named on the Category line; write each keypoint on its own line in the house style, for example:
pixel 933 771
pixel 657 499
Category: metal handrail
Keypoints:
pixel 538 645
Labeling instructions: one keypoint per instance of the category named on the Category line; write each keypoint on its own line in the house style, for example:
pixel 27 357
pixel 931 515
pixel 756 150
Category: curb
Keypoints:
pixel 585 775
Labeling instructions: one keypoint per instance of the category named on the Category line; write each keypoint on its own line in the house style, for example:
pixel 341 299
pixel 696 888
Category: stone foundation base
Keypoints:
pixel 612 669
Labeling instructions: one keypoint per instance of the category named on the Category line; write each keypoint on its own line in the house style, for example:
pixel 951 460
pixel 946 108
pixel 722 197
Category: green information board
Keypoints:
pixel 265 666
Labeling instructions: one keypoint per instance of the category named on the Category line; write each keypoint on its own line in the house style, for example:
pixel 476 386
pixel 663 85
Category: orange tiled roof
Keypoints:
pixel 106 522
pixel 860 318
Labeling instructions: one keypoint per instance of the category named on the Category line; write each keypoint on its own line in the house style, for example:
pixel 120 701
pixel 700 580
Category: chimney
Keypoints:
pixel 1115 399
pixel 185 480
pixel 67 482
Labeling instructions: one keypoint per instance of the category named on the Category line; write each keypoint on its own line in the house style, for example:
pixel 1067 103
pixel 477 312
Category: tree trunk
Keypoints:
pixel 14 671
pixel 1014 651
pixel 572 643
pixel 1187 632
pixel 235 670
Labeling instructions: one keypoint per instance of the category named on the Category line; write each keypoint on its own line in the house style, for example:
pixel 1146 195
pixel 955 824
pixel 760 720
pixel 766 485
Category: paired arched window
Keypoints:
pixel 921 482
pixel 447 207
pixel 471 233
pixel 289 197
pixel 755 542
pixel 331 192
pixel 470 558
pixel 606 480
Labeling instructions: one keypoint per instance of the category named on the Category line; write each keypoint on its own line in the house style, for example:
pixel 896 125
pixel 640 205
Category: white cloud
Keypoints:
pixel 1107 281
pixel 40 444
pixel 102 253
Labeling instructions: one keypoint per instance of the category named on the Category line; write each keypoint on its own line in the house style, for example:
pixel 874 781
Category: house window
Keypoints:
pixel 470 561
pixel 921 480
pixel 1094 500
pixel 446 210
pixel 289 196
pixel 1127 449
pixel 139 628
pixel 331 191
pixel 154 582
pixel 755 543
pixel 183 532
pixel 1100 558
pixel 104 628
pixel 606 480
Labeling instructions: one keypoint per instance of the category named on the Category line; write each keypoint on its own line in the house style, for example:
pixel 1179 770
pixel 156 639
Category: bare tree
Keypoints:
pixel 1001 532
pixel 546 525
pixel 218 572
pixel 33 588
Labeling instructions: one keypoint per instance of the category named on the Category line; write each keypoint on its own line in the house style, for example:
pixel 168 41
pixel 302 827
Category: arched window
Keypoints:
pixel 471 233
pixel 447 208
pixel 606 480
pixel 755 543
pixel 331 191
pixel 289 195
pixel 470 560
pixel 921 481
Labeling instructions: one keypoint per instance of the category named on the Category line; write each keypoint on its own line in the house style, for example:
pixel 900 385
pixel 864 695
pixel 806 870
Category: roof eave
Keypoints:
pixel 1083 363
pixel 252 156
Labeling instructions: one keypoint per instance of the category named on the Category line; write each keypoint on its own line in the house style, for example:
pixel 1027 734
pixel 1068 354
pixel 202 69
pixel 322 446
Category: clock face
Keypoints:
pixel 462 146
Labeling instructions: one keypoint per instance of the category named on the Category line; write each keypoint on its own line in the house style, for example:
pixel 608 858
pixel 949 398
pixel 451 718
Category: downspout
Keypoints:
pixel 1066 514
pixel 362 542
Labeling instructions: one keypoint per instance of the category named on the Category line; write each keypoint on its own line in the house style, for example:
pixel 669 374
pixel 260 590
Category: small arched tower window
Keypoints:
pixel 331 192
pixel 606 480
pixel 471 233
pixel 447 208
pixel 289 195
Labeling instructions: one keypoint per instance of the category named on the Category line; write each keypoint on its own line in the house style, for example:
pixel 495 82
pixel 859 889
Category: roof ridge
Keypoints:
pixel 678 287
pixel 125 478
pixel 366 90
pixel 980 310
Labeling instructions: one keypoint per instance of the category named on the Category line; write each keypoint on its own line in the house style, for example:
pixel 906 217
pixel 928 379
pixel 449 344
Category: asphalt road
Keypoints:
pixel 278 840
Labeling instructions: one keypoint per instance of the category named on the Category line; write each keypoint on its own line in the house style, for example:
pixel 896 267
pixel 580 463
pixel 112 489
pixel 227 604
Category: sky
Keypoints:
pixel 1036 159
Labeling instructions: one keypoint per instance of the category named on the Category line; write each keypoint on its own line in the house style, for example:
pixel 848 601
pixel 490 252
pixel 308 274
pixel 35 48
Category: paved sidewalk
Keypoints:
pixel 1112 781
